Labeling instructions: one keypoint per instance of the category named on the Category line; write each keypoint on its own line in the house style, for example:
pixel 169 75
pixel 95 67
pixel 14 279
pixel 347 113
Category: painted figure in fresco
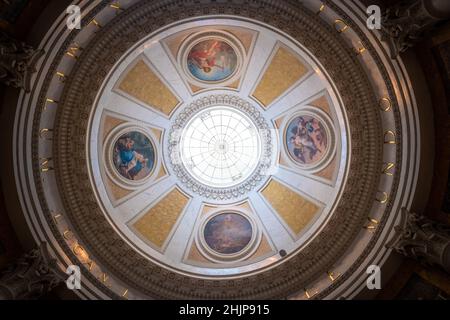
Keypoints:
pixel 128 160
pixel 212 60
pixel 307 139
pixel 206 59
pixel 228 233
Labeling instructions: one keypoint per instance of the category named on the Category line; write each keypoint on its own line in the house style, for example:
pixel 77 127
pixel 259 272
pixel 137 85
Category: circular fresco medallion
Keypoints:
pixel 308 140
pixel 212 60
pixel 133 156
pixel 228 233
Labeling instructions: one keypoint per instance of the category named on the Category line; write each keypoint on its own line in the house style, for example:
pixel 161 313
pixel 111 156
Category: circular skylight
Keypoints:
pixel 220 147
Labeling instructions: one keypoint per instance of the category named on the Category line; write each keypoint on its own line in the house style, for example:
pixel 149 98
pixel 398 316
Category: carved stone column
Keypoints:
pixel 404 24
pixel 422 239
pixel 31 276
pixel 17 62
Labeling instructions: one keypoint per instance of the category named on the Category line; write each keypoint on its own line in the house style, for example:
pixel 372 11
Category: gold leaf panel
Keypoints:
pixel 321 103
pixel 115 192
pixel 143 84
pixel 264 249
pixel 196 256
pixel 156 224
pixel 284 70
pixel 295 210
pixel 162 173
pixel 329 171
pixel 109 123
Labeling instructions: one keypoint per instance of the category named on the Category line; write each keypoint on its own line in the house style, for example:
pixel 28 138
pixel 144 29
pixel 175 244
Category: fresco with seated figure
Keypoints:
pixel 306 140
pixel 134 156
pixel 212 60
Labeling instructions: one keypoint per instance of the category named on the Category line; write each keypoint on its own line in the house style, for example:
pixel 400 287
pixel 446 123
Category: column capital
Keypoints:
pixel 405 23
pixel 422 239
pixel 17 62
pixel 31 276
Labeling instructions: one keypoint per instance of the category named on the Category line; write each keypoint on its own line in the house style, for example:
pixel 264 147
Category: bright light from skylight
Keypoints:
pixel 220 147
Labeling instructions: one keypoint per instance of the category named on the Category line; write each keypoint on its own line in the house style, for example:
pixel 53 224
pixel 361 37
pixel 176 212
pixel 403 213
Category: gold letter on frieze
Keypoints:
pixel 73 49
pixel 44 132
pixel 45 164
pixel 49 101
pixel 382 197
pixel 116 6
pixel 385 104
pixel 68 235
pixel 61 76
pixel 56 217
pixel 360 48
pixel 90 264
pixel 372 225
pixel 387 169
pixel 78 250
pixel 389 137
pixel 104 278
pixel 340 25
pixel 333 276
pixel 322 7
pixel 95 23
pixel 309 295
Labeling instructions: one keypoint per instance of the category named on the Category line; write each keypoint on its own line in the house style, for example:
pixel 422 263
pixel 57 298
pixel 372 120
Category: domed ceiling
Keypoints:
pixel 216 151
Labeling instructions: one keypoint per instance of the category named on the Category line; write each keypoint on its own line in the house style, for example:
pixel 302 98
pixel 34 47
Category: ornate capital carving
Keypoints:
pixel 31 276
pixel 422 239
pixel 404 24
pixel 17 62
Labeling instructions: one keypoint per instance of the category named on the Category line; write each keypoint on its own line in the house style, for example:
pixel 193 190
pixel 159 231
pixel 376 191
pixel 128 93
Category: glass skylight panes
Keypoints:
pixel 220 147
